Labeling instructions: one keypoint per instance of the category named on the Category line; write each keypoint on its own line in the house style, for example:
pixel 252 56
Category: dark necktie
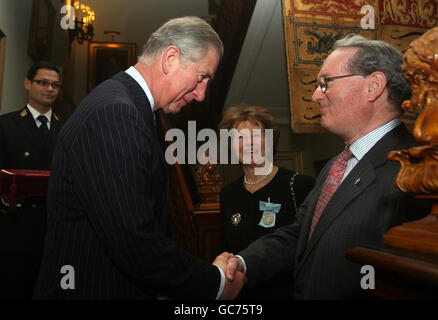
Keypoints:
pixel 332 182
pixel 43 128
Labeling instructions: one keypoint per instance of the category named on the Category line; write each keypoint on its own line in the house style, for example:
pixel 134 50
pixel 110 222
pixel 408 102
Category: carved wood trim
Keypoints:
pixel 178 170
pixel 195 227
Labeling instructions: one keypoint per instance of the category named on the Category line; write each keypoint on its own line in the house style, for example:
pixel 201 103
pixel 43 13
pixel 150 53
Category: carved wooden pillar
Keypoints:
pixel 209 184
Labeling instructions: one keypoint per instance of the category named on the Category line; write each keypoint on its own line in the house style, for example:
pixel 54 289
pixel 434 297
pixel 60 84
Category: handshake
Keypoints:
pixel 232 268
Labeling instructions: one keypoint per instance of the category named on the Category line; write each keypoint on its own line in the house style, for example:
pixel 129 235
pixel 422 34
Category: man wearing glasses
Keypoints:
pixel 27 140
pixel 28 136
pixel 355 200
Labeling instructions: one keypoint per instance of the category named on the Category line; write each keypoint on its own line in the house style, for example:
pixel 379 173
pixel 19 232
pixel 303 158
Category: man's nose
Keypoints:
pixel 199 91
pixel 317 95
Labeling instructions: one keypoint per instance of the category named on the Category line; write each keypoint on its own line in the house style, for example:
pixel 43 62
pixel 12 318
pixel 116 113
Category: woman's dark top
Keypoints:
pixel 243 222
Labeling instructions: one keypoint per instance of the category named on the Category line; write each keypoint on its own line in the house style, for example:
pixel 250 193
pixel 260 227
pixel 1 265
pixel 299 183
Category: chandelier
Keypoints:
pixel 83 19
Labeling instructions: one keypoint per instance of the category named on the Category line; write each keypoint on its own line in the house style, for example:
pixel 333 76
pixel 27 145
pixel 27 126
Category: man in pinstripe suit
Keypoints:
pixel 108 194
pixel 360 91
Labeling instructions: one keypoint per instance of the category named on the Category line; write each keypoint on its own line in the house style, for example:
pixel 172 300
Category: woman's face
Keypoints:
pixel 249 143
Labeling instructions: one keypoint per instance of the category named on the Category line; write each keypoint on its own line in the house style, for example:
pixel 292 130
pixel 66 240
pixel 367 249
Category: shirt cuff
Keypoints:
pixel 222 285
pixel 243 262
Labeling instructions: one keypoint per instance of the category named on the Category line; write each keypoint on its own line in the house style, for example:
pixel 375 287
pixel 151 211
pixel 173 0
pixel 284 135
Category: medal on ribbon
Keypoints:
pixel 270 211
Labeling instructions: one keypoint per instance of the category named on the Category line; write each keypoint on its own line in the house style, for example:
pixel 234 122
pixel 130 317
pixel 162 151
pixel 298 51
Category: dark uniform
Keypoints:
pixel 22 146
pixel 248 216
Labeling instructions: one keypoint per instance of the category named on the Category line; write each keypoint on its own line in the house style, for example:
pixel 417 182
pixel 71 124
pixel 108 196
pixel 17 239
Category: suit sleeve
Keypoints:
pixel 113 160
pixel 274 252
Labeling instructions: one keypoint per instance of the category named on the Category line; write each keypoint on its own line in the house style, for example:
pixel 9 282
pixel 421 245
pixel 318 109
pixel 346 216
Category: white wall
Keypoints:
pixel 15 24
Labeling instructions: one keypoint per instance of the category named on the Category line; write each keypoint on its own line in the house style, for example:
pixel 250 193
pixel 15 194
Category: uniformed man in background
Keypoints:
pixel 27 140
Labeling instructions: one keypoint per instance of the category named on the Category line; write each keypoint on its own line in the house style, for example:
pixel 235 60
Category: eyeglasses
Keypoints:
pixel 46 84
pixel 323 81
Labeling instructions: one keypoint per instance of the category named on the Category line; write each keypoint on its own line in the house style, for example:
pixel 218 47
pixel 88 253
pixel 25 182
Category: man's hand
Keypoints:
pixel 234 266
pixel 234 283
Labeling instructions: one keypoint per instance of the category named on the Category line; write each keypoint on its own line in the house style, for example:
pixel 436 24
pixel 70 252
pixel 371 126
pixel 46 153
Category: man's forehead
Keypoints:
pixel 210 62
pixel 47 72
pixel 337 61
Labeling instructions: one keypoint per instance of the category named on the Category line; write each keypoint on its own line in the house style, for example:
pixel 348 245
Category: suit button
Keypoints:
pixel 26 154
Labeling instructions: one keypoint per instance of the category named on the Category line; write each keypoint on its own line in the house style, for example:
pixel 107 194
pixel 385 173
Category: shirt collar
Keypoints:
pixel 35 113
pixel 362 145
pixel 142 82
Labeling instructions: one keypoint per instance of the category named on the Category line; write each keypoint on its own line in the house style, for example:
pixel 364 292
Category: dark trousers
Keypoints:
pixel 22 236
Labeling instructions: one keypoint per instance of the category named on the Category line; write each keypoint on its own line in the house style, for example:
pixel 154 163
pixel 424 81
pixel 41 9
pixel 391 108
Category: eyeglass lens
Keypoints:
pixel 46 84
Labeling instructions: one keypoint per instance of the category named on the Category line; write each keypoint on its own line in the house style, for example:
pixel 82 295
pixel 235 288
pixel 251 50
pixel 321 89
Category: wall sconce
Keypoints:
pixel 84 18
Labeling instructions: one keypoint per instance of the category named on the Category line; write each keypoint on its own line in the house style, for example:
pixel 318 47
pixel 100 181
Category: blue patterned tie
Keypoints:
pixel 43 127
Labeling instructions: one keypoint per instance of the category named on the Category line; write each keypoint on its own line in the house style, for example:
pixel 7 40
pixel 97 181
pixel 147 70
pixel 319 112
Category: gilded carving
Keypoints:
pixel 419 165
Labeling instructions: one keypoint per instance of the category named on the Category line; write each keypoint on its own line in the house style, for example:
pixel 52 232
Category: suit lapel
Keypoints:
pixel 353 185
pixel 307 220
pixel 358 180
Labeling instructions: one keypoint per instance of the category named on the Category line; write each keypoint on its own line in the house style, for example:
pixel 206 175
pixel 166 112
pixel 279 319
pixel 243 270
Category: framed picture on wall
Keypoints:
pixel 105 59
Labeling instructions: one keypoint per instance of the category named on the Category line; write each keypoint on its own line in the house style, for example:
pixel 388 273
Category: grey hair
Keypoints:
pixel 192 35
pixel 377 55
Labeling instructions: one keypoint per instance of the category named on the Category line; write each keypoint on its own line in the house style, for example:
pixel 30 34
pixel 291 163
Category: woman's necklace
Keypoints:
pixel 261 179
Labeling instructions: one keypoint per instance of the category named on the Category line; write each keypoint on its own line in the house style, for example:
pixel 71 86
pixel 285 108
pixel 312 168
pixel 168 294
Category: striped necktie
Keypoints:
pixel 332 182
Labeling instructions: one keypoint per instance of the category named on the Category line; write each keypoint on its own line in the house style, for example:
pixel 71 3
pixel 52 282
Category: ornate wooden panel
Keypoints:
pixel 312 27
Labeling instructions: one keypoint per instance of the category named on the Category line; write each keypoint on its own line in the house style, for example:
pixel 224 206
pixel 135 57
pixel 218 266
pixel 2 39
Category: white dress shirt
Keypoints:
pixel 35 114
pixel 364 144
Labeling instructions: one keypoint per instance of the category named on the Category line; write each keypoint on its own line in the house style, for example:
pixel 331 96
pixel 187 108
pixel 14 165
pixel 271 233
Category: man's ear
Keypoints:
pixel 376 85
pixel 170 58
pixel 27 83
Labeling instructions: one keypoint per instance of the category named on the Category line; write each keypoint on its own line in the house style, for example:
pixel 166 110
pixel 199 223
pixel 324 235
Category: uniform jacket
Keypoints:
pixel 21 144
pixel 22 232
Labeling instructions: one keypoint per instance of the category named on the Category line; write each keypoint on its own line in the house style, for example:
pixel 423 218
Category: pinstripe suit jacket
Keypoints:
pixel 364 207
pixel 108 204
